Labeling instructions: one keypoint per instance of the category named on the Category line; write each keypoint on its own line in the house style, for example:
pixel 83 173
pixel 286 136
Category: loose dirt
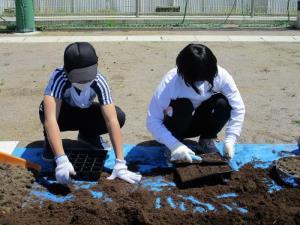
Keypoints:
pixel 15 184
pixel 251 203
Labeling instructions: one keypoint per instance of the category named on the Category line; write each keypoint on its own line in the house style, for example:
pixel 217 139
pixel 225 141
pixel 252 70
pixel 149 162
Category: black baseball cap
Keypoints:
pixel 80 63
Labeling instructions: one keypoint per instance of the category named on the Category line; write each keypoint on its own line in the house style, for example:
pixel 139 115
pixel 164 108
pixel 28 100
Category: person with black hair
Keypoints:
pixel 196 99
pixel 68 105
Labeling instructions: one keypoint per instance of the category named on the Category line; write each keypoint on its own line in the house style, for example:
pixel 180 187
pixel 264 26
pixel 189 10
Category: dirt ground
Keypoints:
pixel 14 188
pixel 137 206
pixel 266 75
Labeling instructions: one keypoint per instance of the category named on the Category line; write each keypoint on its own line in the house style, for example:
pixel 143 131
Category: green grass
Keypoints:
pixel 9 27
pixel 296 122
pixel 1 84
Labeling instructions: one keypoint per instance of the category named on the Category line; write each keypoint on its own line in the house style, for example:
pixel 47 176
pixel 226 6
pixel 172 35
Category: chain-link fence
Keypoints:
pixel 157 13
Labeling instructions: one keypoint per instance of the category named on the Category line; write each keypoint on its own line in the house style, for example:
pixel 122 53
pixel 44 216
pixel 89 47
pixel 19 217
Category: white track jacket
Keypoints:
pixel 173 86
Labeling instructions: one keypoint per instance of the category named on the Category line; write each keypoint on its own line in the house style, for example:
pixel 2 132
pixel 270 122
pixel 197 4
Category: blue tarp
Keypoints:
pixel 148 158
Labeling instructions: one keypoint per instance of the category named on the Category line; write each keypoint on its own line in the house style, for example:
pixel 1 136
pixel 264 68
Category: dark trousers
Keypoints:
pixel 205 121
pixel 88 121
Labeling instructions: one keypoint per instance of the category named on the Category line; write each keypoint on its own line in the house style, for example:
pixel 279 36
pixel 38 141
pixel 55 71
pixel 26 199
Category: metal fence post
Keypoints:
pixel 137 8
pixel 252 8
pixel 25 16
pixel 72 6
pixel 298 17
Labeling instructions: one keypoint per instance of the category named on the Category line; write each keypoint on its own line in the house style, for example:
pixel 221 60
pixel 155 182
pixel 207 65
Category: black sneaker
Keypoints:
pixel 207 145
pixel 93 141
pixel 47 154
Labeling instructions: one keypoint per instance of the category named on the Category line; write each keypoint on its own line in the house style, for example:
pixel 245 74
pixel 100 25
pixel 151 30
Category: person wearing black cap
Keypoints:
pixel 68 105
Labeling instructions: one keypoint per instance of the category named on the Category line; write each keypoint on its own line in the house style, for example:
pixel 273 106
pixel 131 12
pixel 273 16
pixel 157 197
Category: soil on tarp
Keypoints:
pixel 246 199
pixel 15 184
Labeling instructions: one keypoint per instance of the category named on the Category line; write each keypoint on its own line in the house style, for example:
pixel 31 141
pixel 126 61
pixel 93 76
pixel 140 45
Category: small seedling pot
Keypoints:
pixel 288 170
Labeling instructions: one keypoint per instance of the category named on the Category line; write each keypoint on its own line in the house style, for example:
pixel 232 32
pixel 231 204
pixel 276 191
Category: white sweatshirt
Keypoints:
pixel 173 86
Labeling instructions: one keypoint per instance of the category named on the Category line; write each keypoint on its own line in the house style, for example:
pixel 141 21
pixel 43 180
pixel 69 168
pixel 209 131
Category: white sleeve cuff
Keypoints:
pixel 230 138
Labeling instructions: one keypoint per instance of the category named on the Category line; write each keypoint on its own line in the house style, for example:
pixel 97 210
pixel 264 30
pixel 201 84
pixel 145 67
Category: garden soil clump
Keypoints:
pixel 15 184
pixel 248 189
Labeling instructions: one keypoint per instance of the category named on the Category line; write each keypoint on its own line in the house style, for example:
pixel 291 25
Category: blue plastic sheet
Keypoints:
pixel 149 158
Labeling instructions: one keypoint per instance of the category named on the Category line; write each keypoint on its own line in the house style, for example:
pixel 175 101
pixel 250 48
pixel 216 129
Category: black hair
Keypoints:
pixel 196 62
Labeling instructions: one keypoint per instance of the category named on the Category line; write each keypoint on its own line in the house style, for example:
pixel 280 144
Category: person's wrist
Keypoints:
pixel 59 155
pixel 176 146
pixel 61 159
pixel 120 161
pixel 120 164
pixel 230 138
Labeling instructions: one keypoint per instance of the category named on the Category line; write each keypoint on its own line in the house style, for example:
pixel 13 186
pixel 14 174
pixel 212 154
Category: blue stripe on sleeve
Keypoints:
pixel 56 83
pixel 102 90
pixel 56 77
pixel 57 86
pixel 106 89
pixel 60 88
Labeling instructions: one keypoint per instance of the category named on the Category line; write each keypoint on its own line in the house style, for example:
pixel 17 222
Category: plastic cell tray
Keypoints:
pixel 88 164
pixel 288 170
pixel 214 169
pixel 213 159
pixel 196 172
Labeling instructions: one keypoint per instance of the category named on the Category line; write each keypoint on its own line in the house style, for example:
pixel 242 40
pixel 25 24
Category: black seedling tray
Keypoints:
pixel 88 164
pixel 214 169
pixel 208 159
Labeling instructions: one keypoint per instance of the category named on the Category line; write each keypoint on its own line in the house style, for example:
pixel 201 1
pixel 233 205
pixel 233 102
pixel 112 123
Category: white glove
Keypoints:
pixel 63 170
pixel 183 153
pixel 120 170
pixel 229 150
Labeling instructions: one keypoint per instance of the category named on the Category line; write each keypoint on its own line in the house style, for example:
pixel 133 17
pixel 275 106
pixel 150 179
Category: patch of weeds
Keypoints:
pixel 11 28
pixel 7 28
pixel 296 122
pixel 266 70
pixel 41 27
pixel 1 84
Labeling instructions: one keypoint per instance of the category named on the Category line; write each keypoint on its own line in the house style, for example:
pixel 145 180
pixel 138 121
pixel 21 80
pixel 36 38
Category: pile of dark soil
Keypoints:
pixel 135 205
pixel 15 183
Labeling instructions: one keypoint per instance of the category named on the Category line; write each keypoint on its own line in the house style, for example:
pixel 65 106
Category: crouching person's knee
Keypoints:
pixel 121 116
pixel 42 113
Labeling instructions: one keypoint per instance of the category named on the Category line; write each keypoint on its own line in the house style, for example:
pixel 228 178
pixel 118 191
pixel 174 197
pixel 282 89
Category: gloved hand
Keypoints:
pixel 183 153
pixel 63 170
pixel 229 149
pixel 120 170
